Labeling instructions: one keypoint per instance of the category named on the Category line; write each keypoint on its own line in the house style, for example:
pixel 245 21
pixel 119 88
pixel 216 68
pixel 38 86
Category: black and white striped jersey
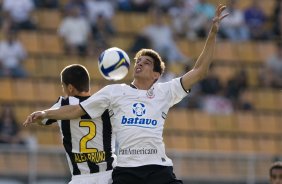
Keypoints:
pixel 89 143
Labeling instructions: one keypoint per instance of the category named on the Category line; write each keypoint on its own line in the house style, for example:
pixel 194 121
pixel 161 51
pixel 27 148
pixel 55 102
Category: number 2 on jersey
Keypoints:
pixel 91 134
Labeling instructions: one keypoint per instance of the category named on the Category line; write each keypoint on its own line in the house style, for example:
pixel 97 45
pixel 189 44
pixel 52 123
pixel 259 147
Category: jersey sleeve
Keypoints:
pixel 98 102
pixel 56 105
pixel 176 90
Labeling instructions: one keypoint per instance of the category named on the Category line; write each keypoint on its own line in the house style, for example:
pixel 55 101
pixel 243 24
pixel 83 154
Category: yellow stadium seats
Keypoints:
pixel 92 67
pixel 268 123
pixel 30 65
pixel 179 142
pixel 224 144
pixel 246 144
pixel 49 19
pixel 203 142
pixel 123 42
pixel 261 170
pixel 3 164
pixel 225 168
pixel 49 67
pixel 225 123
pixel 180 120
pixel 277 94
pixel 6 92
pixel 18 163
pixel 198 47
pixel 202 168
pixel 30 41
pixel 48 91
pixel 185 130
pixel 224 72
pixel 265 100
pixel 51 44
pixel 246 123
pixel 267 145
pixel 246 52
pixel 21 112
pixel 47 135
pixel 203 122
pixel 132 22
pixel 226 51
pixel 252 76
pixel 187 48
pixel 265 50
pixel 24 90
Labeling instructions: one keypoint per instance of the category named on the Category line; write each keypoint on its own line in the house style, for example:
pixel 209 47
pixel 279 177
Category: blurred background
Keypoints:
pixel 228 129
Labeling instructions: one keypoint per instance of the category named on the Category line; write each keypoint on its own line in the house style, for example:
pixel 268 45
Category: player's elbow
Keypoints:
pixel 77 111
pixel 201 73
pixel 69 112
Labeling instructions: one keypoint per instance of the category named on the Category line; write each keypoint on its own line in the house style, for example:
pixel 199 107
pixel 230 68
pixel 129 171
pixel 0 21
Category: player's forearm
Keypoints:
pixel 206 57
pixel 64 112
pixel 201 67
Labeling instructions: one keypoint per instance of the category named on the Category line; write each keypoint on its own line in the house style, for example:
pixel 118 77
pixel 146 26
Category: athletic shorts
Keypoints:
pixel 149 174
pixel 95 178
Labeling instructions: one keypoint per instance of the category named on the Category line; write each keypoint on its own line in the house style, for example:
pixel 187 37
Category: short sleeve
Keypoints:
pixel 176 90
pixel 55 106
pixel 98 102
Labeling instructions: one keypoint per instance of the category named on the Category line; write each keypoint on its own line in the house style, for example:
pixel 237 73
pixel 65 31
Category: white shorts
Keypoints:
pixel 104 177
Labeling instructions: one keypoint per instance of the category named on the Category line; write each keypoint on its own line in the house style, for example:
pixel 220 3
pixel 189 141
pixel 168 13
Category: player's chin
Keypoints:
pixel 136 74
pixel 139 75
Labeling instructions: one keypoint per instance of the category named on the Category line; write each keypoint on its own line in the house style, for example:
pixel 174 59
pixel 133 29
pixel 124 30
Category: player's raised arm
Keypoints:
pixel 62 113
pixel 201 67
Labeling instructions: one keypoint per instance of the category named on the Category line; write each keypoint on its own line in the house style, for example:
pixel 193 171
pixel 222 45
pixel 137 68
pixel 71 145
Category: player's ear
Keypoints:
pixel 156 75
pixel 70 88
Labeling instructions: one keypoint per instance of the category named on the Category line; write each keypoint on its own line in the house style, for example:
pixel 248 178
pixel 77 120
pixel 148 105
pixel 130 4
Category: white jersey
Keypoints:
pixel 88 143
pixel 137 118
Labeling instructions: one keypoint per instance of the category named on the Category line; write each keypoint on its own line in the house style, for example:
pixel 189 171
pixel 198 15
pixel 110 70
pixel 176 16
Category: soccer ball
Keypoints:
pixel 114 64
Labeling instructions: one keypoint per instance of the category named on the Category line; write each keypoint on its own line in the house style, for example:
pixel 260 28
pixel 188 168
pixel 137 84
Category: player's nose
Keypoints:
pixel 139 63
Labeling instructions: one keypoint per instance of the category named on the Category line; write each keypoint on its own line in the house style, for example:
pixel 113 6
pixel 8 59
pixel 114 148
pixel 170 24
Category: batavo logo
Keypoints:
pixel 138 110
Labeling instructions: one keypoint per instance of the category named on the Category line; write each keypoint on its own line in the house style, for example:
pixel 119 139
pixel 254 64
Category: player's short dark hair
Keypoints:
pixel 76 75
pixel 159 65
pixel 275 165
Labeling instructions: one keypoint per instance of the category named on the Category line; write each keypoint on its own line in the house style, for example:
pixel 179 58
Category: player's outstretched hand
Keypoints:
pixel 218 17
pixel 35 117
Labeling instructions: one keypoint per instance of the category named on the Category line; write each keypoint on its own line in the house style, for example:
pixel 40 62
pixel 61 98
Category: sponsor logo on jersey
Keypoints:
pixel 141 151
pixel 139 110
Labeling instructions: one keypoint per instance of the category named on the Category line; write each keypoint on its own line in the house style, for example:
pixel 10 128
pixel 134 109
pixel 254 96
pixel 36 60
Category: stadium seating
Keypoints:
pixel 6 92
pixel 30 41
pixel 34 90
pixel 48 20
pixel 131 23
pixel 243 132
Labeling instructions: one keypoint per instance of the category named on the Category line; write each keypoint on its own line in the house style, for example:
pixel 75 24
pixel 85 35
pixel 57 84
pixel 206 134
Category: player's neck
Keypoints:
pixel 142 85
pixel 82 94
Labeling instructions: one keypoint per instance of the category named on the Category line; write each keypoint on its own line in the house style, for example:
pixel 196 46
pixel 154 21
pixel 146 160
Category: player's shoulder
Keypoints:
pixel 172 81
pixel 59 99
pixel 116 86
pixel 75 99
pixel 114 89
pixel 68 98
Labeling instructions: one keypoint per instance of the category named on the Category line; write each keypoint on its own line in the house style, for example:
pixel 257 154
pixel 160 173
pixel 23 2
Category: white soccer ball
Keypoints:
pixel 114 64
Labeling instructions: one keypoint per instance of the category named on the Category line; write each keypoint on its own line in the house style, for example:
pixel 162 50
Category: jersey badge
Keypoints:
pixel 150 93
